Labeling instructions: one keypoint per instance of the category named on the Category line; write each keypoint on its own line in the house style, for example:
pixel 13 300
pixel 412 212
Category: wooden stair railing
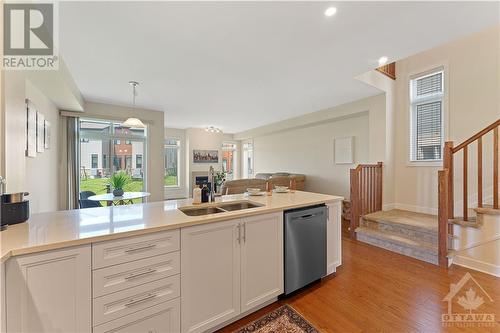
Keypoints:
pixel 446 202
pixel 366 192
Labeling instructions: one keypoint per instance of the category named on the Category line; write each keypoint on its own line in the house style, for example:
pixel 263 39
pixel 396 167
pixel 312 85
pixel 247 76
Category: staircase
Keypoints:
pixel 408 233
pixel 448 224
pixel 472 240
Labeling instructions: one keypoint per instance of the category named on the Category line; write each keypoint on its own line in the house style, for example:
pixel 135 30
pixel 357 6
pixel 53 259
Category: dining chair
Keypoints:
pixel 85 203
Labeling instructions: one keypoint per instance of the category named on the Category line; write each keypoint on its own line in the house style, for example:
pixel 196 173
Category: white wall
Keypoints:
pixel 472 77
pixel 310 151
pixel 38 175
pixel 306 144
pixel 383 122
pixel 154 155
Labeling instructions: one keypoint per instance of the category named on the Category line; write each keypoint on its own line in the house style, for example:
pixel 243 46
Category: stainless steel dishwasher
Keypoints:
pixel 305 246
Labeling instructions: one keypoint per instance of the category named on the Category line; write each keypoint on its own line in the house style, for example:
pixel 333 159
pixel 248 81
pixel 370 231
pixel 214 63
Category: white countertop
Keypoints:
pixel 48 231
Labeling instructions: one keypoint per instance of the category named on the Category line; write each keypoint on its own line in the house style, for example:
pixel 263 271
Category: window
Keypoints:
pixel 106 148
pixel 427 117
pixel 248 160
pixel 228 153
pixel 172 159
pixel 138 161
pixel 95 160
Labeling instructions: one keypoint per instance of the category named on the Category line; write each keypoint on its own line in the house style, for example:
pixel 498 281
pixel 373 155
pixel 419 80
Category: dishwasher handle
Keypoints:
pixel 307 216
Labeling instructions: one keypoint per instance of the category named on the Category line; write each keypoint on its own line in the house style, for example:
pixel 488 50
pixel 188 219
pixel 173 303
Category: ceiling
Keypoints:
pixel 240 65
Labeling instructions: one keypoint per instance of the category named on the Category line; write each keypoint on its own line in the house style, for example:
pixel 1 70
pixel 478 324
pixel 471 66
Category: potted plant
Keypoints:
pixel 118 182
pixel 219 179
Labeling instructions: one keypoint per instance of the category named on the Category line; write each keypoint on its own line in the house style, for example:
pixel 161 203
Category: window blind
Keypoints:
pixel 428 130
pixel 430 84
pixel 426 135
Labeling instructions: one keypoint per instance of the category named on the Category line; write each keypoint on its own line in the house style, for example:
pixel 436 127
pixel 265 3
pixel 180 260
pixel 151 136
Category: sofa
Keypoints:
pixel 278 178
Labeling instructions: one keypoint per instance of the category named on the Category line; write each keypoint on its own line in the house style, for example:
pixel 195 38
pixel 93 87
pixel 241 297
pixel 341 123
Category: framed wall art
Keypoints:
pixel 205 156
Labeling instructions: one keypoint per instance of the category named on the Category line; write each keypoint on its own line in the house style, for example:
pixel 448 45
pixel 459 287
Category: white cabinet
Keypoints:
pixel 133 248
pixel 50 291
pixel 333 237
pixel 261 259
pixel 228 268
pixel 210 275
pixel 162 318
pixel 3 327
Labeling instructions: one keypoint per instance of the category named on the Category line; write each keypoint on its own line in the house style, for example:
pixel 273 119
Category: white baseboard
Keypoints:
pixel 389 206
pixel 478 265
pixel 416 209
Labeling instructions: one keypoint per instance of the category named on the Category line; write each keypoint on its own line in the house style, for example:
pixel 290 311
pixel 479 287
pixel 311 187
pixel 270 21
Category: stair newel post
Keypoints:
pixel 380 179
pixel 355 202
pixel 443 186
pixel 448 165
pixel 495 168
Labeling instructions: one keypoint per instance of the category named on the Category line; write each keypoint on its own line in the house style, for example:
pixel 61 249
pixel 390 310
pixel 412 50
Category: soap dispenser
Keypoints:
pixel 197 195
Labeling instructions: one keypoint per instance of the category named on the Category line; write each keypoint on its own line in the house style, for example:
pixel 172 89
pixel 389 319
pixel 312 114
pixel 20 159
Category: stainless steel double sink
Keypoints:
pixel 222 207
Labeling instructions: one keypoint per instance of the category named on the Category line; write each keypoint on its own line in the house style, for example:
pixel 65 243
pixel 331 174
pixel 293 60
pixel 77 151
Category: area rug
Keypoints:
pixel 283 319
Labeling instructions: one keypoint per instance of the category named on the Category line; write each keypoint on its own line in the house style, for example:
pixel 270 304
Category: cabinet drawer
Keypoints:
pixel 161 318
pixel 123 276
pixel 125 302
pixel 133 248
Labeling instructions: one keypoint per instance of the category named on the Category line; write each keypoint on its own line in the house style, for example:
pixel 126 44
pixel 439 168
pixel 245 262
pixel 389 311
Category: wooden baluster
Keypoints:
pixel 448 165
pixel 443 217
pixel 355 201
pixel 480 172
pixel 379 185
pixel 365 189
pixel 495 168
pixel 466 208
pixel 361 194
pixel 372 188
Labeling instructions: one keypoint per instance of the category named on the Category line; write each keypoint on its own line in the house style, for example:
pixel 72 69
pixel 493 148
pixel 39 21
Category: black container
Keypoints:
pixel 13 213
pixel 204 193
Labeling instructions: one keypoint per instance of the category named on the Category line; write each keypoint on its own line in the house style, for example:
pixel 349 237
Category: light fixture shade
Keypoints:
pixel 133 123
pixel 212 129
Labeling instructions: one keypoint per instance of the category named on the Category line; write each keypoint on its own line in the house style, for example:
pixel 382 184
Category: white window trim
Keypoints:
pixel 440 66
pixel 179 155
pixel 235 156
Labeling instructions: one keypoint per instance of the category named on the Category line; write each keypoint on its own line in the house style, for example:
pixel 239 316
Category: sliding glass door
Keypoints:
pixel 106 148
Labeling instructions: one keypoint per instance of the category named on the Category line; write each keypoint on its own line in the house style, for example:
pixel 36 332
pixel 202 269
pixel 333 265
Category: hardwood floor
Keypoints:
pixel 380 291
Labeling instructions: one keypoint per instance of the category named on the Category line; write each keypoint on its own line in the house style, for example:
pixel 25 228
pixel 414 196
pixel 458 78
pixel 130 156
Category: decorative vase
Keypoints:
pixel 118 192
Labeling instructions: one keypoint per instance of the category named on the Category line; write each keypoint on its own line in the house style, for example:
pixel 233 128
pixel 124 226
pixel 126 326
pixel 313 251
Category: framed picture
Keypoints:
pixel 40 132
pixel 30 130
pixel 344 150
pixel 205 156
pixel 47 135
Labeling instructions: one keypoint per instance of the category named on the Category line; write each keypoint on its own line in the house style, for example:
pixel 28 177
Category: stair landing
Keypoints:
pixel 406 218
pixel 408 233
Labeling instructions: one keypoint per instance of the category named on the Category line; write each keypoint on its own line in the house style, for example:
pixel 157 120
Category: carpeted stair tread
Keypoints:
pixel 405 219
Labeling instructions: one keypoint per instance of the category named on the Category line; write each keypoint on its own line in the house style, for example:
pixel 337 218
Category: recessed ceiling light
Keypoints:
pixel 330 11
pixel 382 61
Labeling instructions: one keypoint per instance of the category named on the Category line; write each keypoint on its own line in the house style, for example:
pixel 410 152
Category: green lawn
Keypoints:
pixel 98 185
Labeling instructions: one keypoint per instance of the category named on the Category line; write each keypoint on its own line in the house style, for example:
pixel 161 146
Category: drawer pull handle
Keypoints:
pixel 150 246
pixel 136 275
pixel 138 301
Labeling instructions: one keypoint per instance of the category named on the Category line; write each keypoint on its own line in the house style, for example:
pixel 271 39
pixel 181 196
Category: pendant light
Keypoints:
pixel 133 122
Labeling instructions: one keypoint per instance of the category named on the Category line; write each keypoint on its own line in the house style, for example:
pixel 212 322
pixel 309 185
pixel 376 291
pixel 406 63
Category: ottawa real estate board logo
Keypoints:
pixel 30 36
pixel 466 302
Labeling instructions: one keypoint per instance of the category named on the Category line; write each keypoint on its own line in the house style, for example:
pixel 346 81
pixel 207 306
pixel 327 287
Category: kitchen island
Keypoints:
pixel 151 266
